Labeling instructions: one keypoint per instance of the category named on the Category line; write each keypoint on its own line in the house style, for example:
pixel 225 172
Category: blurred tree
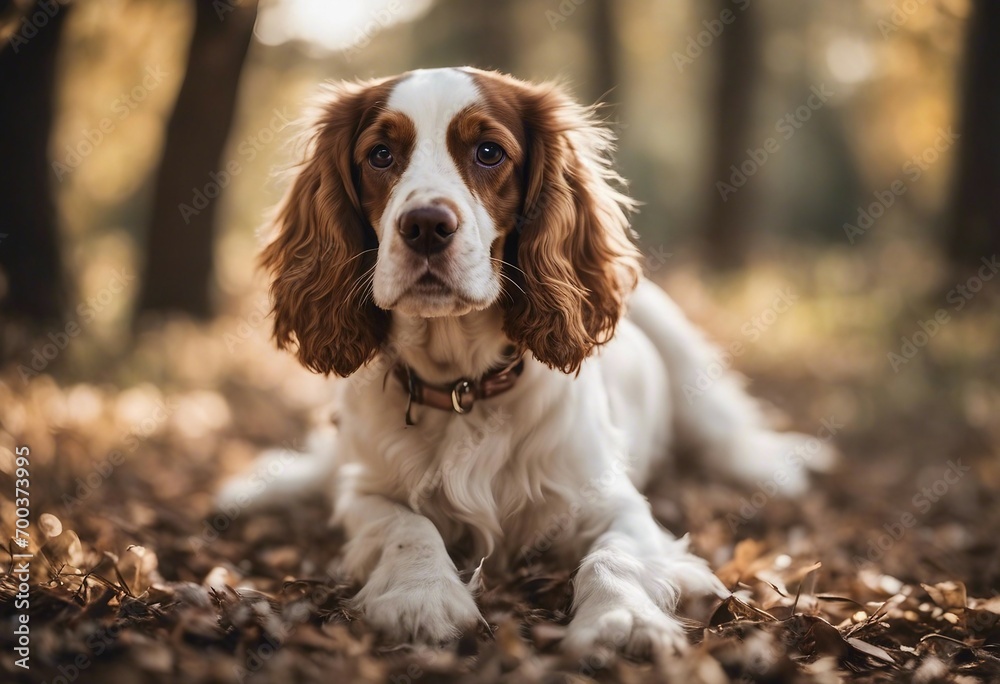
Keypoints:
pixel 29 233
pixel 457 32
pixel 975 212
pixel 604 38
pixel 178 274
pixel 726 218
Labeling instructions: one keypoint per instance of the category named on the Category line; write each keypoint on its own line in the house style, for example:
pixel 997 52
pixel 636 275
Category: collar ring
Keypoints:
pixel 463 396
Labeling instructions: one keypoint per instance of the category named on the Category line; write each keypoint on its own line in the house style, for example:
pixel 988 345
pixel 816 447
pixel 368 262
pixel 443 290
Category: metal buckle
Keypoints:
pixel 462 389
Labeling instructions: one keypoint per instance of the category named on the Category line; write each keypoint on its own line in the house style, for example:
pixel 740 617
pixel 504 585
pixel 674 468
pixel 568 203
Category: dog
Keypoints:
pixel 456 243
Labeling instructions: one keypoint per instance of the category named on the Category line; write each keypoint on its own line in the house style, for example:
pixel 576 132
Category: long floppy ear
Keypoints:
pixel 323 249
pixel 573 242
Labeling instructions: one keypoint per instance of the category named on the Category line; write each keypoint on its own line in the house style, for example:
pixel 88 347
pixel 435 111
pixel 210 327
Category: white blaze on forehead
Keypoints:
pixel 431 98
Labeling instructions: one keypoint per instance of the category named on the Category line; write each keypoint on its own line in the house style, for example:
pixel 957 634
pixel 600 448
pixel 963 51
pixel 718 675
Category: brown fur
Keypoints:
pixel 569 251
pixel 571 247
pixel 499 188
pixel 319 286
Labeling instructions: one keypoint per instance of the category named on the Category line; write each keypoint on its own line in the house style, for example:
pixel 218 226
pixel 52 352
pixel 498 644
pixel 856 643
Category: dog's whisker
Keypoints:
pixel 368 292
pixel 512 282
pixel 361 281
pixel 507 263
pixel 356 256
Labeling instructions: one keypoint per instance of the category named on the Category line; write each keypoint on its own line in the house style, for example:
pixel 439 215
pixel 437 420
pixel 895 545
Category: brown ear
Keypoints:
pixel 573 241
pixel 320 257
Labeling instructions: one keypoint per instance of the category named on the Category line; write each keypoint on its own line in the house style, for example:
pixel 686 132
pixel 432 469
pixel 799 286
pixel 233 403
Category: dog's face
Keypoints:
pixel 440 182
pixel 447 191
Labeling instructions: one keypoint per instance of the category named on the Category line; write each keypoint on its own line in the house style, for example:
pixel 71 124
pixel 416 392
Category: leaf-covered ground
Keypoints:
pixel 888 571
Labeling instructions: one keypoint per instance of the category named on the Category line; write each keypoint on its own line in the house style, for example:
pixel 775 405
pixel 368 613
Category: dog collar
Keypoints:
pixel 459 396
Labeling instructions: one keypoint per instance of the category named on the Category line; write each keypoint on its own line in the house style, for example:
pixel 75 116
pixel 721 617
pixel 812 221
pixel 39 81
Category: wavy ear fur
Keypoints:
pixel 318 259
pixel 573 243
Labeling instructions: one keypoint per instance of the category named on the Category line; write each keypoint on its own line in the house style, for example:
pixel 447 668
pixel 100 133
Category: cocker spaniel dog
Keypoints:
pixel 456 245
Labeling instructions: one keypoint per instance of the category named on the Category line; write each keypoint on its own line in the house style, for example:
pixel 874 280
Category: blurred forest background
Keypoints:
pixel 844 154
pixel 161 124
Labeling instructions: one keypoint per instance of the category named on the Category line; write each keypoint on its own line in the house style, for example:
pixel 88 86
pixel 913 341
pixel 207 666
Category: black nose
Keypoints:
pixel 428 229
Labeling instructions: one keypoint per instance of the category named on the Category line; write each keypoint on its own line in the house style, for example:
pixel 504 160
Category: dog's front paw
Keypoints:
pixel 638 629
pixel 426 610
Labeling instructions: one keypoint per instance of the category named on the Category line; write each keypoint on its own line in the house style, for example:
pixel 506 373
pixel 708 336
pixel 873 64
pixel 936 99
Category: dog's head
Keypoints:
pixel 446 191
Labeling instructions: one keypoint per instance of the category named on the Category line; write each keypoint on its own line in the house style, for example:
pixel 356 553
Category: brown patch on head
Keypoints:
pixel 570 251
pixel 396 131
pixel 317 290
pixel 564 231
pixel 493 120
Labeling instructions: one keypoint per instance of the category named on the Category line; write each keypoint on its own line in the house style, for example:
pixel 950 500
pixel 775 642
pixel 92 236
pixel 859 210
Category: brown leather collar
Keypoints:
pixel 461 395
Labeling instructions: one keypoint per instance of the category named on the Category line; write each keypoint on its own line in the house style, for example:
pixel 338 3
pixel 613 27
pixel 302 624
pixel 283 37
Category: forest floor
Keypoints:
pixel 887 571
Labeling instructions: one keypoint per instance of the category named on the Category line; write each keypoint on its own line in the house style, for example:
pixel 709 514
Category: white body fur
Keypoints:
pixel 554 467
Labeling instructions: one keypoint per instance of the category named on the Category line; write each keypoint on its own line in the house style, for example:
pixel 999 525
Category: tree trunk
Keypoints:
pixel 604 38
pixel 178 274
pixel 29 232
pixel 725 233
pixel 476 34
pixel 975 203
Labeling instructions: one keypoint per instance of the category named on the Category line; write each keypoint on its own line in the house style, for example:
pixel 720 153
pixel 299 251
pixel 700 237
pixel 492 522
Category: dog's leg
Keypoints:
pixel 713 414
pixel 411 590
pixel 630 583
pixel 282 477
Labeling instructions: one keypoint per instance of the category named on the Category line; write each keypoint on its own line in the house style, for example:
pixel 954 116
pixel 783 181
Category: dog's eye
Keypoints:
pixel 380 157
pixel 489 154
